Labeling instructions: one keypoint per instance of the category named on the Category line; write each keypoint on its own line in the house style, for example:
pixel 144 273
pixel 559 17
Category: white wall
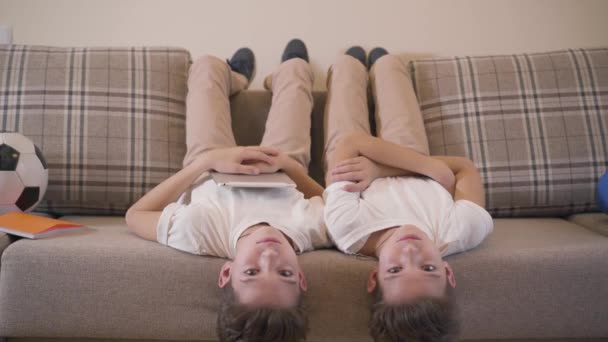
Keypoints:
pixel 412 28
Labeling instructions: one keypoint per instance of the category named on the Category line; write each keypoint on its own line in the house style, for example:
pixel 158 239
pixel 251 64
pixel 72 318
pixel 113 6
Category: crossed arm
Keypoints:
pixel 363 158
pixel 142 217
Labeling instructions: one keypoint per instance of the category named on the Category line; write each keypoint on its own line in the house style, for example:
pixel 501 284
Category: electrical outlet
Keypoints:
pixel 6 34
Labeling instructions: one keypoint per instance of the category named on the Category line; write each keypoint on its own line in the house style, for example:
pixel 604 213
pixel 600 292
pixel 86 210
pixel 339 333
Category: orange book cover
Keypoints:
pixel 34 226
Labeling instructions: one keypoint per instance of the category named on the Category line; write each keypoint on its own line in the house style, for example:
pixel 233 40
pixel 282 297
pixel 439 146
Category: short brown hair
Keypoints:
pixel 426 319
pixel 238 323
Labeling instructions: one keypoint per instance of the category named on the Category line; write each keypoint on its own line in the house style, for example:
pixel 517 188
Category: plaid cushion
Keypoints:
pixel 110 121
pixel 536 125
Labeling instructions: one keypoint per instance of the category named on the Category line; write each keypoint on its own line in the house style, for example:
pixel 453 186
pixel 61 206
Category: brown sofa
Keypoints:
pixel 533 278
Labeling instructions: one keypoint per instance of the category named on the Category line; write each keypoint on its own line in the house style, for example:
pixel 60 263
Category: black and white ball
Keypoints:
pixel 24 174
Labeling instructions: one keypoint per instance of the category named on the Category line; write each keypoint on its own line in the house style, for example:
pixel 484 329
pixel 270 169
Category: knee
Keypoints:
pixel 389 62
pixel 207 61
pixel 207 64
pixel 347 71
pixel 299 68
pixel 346 63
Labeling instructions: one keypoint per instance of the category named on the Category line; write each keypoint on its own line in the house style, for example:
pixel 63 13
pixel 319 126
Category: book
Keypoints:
pixel 264 180
pixel 34 226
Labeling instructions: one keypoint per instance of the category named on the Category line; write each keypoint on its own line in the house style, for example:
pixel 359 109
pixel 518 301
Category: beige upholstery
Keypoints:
pixel 5 240
pixel 540 278
pixel 598 222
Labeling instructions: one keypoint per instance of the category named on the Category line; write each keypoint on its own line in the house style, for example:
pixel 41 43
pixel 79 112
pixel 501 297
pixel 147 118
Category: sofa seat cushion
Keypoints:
pixel 5 240
pixel 105 282
pixel 534 278
pixel 598 222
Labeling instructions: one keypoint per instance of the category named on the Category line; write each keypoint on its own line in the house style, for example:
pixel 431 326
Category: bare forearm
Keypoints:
pixel 393 155
pixel 389 171
pixel 468 184
pixel 142 217
pixel 304 183
pixel 398 157
pixel 170 189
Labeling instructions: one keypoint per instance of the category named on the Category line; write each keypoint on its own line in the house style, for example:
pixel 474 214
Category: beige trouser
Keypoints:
pixel 397 114
pixel 208 123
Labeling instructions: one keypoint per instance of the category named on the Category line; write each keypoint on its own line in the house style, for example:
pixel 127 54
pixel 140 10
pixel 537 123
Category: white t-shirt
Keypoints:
pixel 454 226
pixel 208 219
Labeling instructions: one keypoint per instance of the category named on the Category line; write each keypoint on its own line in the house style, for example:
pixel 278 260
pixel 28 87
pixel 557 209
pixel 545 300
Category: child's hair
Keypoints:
pixel 238 323
pixel 426 319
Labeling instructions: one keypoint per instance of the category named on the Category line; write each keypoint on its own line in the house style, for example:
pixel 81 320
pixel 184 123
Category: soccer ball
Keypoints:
pixel 24 174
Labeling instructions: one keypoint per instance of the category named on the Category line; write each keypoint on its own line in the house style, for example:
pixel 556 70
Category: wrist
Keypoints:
pixel 290 165
pixel 383 170
pixel 444 175
pixel 203 163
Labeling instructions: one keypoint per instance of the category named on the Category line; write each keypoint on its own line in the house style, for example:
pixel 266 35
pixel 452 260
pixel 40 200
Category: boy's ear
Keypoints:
pixel 450 274
pixel 372 280
pixel 303 284
pixel 225 273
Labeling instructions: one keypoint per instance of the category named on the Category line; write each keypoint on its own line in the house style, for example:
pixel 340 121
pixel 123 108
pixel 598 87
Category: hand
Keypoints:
pixel 444 174
pixel 359 169
pixel 280 161
pixel 244 160
pixel 273 164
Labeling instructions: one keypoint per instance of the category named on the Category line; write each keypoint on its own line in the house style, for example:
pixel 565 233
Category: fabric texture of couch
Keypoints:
pixel 109 121
pixel 534 124
pixel 533 278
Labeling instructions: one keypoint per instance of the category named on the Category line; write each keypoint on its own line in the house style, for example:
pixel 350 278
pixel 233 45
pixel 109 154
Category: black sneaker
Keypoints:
pixel 243 62
pixel 358 53
pixel 375 54
pixel 295 49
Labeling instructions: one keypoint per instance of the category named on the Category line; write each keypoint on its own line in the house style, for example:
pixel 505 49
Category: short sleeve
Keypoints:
pixel 179 228
pixel 343 217
pixel 311 224
pixel 165 222
pixel 465 227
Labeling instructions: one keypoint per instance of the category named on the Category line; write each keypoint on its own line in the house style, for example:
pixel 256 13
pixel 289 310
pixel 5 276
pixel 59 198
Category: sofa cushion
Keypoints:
pixel 109 121
pixel 598 222
pixel 536 125
pixel 534 278
pixel 107 283
pixel 5 240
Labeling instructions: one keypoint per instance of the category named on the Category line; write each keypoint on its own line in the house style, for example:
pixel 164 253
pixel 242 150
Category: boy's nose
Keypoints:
pixel 267 256
pixel 409 252
pixel 410 246
pixel 268 252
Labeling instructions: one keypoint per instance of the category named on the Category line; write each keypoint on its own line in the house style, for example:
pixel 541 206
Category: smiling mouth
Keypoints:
pixel 269 240
pixel 409 237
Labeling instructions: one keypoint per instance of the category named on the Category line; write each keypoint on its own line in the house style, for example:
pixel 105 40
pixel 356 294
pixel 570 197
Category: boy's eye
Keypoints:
pixel 428 268
pixel 395 269
pixel 286 273
pixel 251 272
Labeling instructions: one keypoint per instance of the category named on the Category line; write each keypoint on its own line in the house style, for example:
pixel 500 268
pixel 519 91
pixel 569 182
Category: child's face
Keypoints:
pixel 265 271
pixel 410 267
